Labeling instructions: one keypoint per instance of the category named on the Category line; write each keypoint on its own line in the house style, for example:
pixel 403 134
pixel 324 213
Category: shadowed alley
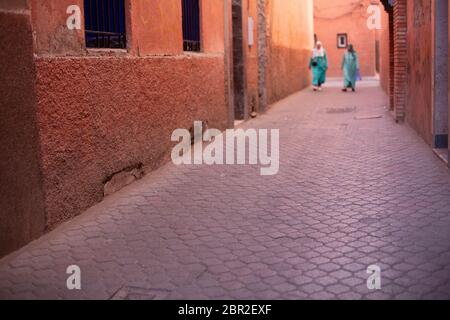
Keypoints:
pixel 354 189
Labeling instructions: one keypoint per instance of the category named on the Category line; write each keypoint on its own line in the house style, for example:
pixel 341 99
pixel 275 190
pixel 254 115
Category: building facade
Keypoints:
pixel 92 90
pixel 343 22
pixel 386 56
pixel 290 29
pixel 272 41
pixel 419 68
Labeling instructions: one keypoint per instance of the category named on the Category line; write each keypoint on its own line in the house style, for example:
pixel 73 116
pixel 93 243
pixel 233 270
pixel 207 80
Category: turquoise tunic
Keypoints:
pixel 350 66
pixel 320 70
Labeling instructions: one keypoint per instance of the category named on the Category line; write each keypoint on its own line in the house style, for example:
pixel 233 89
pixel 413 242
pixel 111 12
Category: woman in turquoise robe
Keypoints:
pixel 319 66
pixel 350 67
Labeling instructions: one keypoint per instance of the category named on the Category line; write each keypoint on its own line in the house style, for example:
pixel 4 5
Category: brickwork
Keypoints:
pixel 400 59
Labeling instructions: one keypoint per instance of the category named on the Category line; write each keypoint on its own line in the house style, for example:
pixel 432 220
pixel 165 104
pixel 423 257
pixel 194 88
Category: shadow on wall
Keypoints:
pixel 288 72
pixel 22 213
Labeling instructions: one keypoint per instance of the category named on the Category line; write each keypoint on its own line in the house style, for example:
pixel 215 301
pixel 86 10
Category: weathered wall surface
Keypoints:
pixel 419 42
pixel 100 116
pixel 290 40
pixel 103 111
pixel 50 30
pixel 153 27
pixel 246 57
pixel 250 10
pixel 21 198
pixel 350 17
pixel 276 63
pixel 16 5
pixel 440 73
pixel 262 53
pixel 385 56
pixel 99 112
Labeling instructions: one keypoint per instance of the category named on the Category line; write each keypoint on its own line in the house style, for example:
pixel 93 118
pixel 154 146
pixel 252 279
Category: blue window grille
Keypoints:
pixel 191 25
pixel 105 24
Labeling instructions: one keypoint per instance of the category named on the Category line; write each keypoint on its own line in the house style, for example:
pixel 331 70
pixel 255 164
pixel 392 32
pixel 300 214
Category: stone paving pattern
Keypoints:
pixel 350 193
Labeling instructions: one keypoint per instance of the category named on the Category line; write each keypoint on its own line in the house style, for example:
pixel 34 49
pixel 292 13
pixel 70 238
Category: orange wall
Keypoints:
pixel 384 39
pixel 22 217
pixel 153 27
pixel 212 17
pixel 156 27
pixel 332 18
pixel 50 30
pixel 290 39
pixel 419 43
pixel 101 111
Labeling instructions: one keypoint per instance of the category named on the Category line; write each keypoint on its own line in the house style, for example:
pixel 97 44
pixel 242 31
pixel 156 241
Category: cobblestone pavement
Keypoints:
pixel 351 192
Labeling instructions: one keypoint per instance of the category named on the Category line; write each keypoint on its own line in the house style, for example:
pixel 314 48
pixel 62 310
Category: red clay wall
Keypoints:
pixel 22 216
pixel 100 113
pixel 50 31
pixel 419 44
pixel 290 40
pixel 345 16
pixel 99 116
pixel 385 56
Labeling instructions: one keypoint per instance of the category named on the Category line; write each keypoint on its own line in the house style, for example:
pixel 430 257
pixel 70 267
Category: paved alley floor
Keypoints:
pixel 354 190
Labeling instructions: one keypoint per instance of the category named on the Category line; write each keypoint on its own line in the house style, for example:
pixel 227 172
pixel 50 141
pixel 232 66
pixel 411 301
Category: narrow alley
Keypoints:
pixel 354 189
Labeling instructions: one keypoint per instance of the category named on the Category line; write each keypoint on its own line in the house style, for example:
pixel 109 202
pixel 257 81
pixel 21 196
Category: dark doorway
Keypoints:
pixel 238 62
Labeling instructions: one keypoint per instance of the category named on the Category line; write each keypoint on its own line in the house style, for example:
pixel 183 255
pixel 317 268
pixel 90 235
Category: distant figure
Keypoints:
pixel 350 67
pixel 319 66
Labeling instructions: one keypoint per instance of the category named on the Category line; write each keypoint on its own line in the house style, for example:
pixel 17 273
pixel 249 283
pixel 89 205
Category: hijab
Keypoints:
pixel 351 49
pixel 318 52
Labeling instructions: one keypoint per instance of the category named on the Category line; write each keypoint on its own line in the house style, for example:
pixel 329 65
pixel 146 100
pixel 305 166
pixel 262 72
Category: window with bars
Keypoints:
pixel 191 25
pixel 105 24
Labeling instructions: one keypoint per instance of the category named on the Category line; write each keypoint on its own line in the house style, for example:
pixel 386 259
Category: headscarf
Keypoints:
pixel 318 52
pixel 351 50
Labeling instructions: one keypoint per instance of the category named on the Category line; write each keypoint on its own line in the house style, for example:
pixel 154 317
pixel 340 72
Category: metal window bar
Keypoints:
pixel 191 25
pixel 105 24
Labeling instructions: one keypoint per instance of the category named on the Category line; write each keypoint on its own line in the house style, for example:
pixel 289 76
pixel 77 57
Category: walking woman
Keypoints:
pixel 319 66
pixel 350 67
